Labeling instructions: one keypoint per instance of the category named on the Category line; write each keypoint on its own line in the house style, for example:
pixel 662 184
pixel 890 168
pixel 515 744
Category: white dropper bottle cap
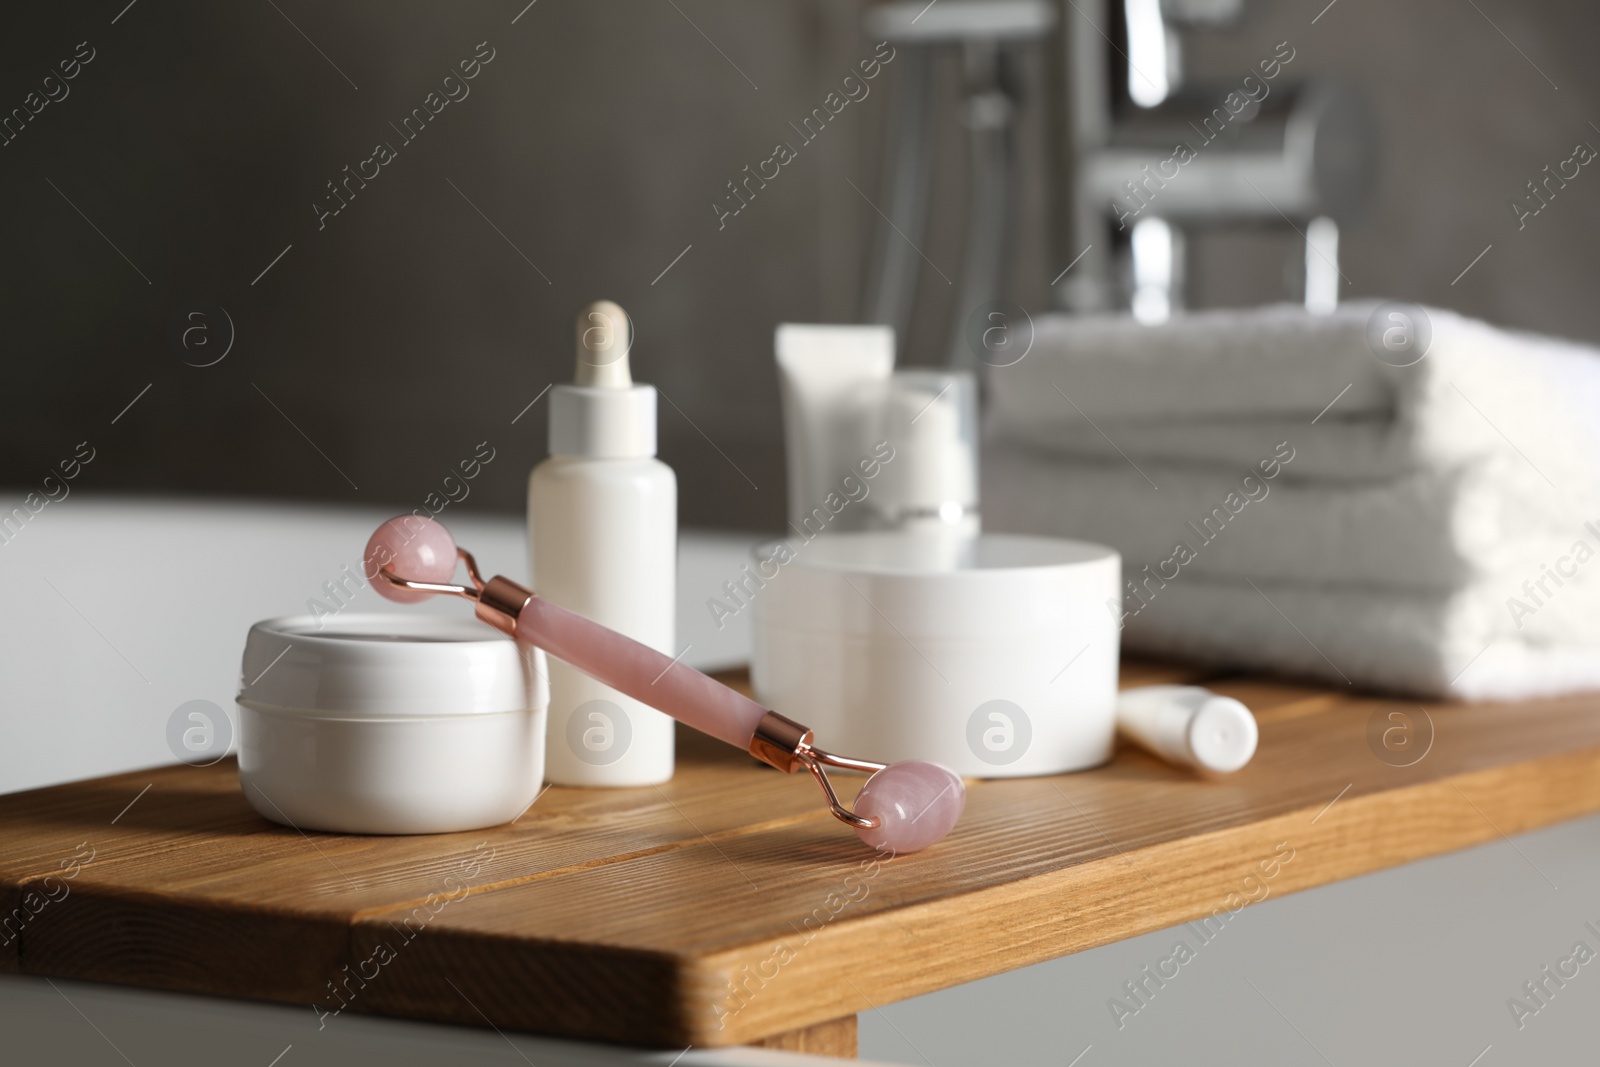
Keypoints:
pixel 603 414
pixel 1189 725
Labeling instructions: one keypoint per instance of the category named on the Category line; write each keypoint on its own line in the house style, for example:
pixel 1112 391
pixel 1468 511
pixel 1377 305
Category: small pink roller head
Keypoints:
pixel 916 804
pixel 410 547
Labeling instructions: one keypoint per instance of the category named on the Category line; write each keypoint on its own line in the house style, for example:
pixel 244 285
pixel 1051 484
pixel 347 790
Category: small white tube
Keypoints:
pixel 1188 725
pixel 828 377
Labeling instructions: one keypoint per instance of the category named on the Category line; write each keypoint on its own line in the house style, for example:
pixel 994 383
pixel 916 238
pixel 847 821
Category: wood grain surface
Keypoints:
pixel 728 907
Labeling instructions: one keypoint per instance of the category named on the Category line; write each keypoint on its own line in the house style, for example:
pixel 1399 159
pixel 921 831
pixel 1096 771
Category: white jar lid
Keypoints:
pixel 931 583
pixel 381 666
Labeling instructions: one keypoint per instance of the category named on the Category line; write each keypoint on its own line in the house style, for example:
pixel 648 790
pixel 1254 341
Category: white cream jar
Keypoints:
pixel 389 724
pixel 994 655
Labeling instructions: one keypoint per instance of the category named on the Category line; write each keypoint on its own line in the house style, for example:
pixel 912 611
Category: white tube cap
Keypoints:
pixel 1222 734
pixel 1189 725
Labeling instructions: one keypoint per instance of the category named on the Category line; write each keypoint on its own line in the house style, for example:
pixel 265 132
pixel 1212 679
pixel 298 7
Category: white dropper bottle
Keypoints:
pixel 602 533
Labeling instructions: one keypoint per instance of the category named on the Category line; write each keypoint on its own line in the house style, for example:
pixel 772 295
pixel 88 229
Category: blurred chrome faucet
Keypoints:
pixel 1146 157
pixel 1142 157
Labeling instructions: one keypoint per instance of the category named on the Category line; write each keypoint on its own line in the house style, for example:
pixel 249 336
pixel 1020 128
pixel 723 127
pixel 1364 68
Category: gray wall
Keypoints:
pixel 409 329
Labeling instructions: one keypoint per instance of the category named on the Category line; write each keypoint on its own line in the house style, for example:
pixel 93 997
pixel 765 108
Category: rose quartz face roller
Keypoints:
pixel 904 807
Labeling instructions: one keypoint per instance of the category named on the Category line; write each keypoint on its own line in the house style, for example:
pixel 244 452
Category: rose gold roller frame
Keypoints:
pixel 778 741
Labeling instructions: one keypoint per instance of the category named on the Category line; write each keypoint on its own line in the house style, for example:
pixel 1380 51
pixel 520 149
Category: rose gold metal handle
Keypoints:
pixel 781 742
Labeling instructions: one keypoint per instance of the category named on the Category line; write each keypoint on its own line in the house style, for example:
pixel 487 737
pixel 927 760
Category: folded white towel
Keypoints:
pixel 1465 645
pixel 1286 500
pixel 1215 386
pixel 1425 530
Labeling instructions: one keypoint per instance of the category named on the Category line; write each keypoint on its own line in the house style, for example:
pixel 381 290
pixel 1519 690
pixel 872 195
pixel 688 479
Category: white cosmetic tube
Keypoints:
pixel 829 378
pixel 1188 725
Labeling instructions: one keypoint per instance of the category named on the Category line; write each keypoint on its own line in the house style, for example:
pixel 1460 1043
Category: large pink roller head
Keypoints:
pixel 915 803
pixel 410 547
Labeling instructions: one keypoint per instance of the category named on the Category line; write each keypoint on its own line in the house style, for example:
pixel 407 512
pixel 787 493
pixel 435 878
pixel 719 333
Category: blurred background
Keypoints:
pixel 179 175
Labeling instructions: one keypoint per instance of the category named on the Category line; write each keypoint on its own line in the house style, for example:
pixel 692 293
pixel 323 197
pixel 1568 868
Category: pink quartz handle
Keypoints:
pixel 641 672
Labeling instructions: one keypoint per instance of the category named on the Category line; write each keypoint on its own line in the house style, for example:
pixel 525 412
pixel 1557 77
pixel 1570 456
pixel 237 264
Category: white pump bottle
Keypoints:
pixel 602 532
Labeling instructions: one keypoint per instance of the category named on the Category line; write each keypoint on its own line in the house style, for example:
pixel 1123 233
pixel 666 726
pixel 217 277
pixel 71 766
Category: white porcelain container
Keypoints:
pixel 389 724
pixel 995 655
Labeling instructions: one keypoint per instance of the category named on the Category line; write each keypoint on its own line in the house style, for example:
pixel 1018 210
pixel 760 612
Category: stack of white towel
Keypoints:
pixel 1284 500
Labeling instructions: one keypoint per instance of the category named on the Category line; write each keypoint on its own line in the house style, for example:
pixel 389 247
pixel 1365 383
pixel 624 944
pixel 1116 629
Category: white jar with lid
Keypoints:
pixel 389 724
pixel 994 655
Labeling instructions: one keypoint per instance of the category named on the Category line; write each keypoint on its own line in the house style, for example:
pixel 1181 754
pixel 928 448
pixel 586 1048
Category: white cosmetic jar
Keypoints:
pixel 995 655
pixel 389 724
